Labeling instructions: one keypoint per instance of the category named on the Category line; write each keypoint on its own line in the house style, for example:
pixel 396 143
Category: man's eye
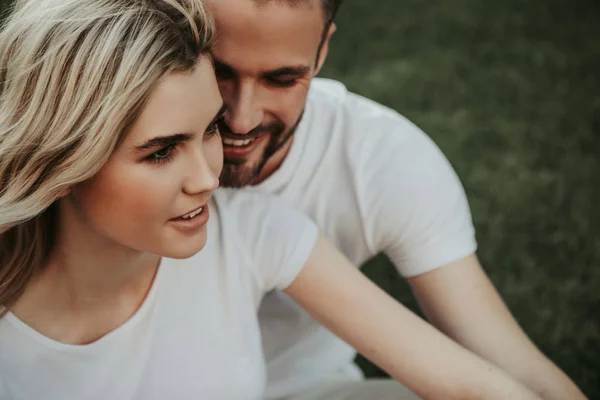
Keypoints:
pixel 282 82
pixel 223 73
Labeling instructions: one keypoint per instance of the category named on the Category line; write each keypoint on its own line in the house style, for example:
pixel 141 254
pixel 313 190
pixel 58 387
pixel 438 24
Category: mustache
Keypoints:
pixel 275 127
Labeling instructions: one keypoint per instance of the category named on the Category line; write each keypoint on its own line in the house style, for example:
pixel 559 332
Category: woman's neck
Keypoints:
pixel 89 286
pixel 100 278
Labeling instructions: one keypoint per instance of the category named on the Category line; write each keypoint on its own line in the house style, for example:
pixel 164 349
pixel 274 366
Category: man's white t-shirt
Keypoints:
pixel 373 182
pixel 196 335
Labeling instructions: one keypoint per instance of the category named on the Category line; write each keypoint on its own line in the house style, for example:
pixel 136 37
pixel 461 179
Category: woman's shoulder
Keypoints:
pixel 238 196
pixel 249 206
pixel 275 238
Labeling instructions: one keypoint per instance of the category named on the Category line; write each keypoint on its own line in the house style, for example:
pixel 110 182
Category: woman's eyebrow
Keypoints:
pixel 163 141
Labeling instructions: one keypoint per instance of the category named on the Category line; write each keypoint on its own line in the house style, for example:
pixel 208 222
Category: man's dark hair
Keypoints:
pixel 330 8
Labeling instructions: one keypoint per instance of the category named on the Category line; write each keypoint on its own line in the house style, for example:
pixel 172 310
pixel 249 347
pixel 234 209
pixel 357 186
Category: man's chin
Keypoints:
pixel 237 176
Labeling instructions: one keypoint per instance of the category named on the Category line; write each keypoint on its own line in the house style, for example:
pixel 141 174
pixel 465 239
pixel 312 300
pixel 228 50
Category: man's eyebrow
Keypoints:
pixel 290 70
pixel 223 66
pixel 160 142
pixel 293 70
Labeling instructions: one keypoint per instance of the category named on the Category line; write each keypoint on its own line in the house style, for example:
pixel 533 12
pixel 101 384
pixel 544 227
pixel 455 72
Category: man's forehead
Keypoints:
pixel 253 39
pixel 262 4
pixel 290 3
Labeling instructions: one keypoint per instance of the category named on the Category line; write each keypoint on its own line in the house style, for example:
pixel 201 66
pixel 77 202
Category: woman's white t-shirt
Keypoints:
pixel 196 335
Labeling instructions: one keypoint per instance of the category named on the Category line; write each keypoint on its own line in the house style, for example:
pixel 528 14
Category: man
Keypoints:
pixel 372 181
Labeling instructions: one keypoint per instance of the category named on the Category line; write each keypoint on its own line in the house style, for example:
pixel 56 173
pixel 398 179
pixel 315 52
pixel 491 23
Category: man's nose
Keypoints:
pixel 244 112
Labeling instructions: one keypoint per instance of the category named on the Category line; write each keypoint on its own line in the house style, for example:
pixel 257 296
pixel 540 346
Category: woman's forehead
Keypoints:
pixel 183 102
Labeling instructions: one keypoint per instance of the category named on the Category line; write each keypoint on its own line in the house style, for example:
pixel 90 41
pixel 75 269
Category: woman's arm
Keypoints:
pixel 408 348
pixel 460 301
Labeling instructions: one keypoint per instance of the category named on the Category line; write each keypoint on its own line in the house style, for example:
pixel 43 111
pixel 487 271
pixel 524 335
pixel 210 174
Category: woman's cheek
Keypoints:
pixel 149 189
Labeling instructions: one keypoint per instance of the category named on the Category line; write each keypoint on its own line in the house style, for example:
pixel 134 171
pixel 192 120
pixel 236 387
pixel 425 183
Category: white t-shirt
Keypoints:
pixel 373 182
pixel 196 335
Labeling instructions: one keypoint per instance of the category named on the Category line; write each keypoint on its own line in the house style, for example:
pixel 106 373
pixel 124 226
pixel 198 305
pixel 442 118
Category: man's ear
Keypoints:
pixel 324 48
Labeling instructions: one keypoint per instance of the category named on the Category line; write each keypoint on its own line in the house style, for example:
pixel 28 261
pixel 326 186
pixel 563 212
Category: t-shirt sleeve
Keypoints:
pixel 415 207
pixel 280 239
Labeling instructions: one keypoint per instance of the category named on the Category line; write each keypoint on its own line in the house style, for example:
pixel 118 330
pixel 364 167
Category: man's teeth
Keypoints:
pixel 238 143
pixel 192 214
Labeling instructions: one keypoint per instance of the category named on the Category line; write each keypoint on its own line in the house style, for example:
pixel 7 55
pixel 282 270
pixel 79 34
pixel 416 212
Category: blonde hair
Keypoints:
pixel 74 74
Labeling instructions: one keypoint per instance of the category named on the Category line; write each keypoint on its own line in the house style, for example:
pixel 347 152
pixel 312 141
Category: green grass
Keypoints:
pixel 510 91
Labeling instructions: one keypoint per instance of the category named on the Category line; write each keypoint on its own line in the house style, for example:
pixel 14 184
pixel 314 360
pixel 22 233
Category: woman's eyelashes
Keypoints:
pixel 213 129
pixel 162 156
pixel 167 153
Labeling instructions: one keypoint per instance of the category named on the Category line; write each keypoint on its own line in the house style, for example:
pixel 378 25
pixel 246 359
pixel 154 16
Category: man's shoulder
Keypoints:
pixel 332 104
pixel 364 129
pixel 330 94
pixel 370 139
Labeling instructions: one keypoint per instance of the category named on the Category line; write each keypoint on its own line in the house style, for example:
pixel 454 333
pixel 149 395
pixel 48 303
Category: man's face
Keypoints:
pixel 265 56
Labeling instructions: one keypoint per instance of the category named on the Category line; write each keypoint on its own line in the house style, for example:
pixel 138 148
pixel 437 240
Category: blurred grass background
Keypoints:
pixel 510 91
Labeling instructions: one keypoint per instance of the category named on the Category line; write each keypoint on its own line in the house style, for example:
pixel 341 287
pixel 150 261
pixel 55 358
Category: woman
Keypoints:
pixel 109 158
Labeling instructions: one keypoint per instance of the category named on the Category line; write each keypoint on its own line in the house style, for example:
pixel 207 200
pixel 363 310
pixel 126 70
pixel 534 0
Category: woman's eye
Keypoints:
pixel 162 156
pixel 163 153
pixel 213 129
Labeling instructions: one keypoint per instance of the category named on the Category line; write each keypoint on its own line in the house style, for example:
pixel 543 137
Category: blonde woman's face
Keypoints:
pixel 153 192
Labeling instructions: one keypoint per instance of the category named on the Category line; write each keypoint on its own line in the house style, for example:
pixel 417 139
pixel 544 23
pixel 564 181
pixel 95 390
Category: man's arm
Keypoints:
pixel 416 211
pixel 408 348
pixel 460 300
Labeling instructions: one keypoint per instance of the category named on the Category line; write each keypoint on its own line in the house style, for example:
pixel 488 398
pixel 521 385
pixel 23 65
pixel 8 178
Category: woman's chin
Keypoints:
pixel 185 248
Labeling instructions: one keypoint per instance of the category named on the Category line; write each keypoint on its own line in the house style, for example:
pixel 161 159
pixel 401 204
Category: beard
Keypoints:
pixel 239 173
